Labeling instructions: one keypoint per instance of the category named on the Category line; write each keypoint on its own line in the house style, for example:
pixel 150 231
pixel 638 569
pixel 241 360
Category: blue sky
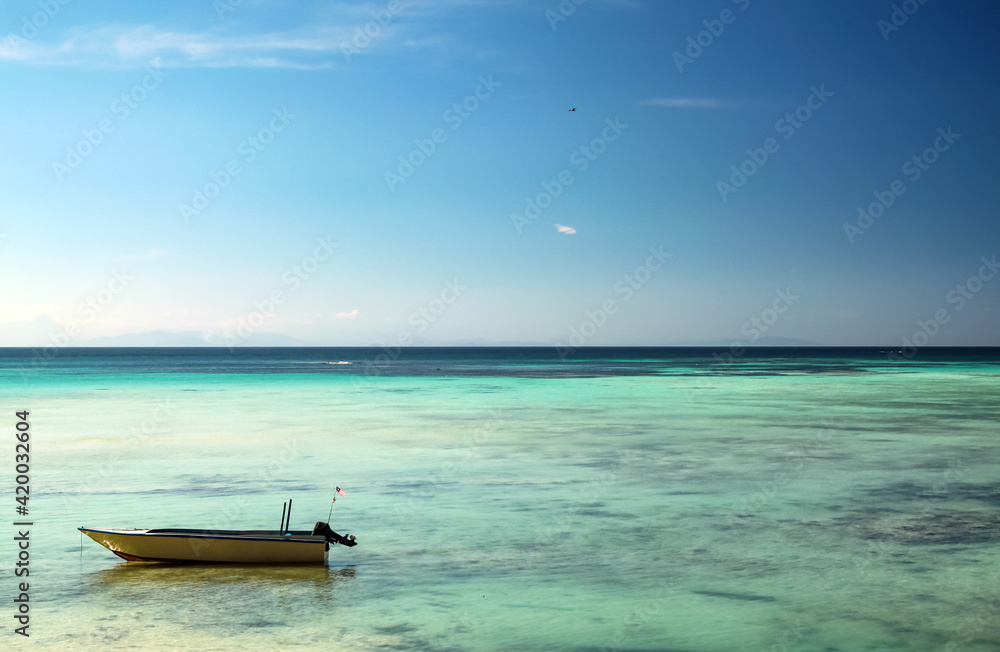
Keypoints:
pixel 178 167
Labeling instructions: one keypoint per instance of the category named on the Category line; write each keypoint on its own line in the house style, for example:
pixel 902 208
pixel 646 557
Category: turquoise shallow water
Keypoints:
pixel 503 500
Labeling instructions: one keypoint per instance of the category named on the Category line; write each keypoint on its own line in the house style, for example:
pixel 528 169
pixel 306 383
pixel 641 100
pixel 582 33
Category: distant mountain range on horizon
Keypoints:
pixel 25 333
pixel 43 331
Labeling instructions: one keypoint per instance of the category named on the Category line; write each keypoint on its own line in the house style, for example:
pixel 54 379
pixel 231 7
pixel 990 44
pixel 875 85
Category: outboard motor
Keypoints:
pixel 331 536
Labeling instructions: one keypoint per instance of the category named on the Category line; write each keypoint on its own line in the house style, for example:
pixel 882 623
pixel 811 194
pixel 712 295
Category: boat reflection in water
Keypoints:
pixel 220 586
pixel 165 573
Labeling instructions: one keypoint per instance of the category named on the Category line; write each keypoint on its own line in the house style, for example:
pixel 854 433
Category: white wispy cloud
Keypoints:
pixel 568 230
pixel 347 315
pixel 318 43
pixel 117 46
pixel 710 103
pixel 688 102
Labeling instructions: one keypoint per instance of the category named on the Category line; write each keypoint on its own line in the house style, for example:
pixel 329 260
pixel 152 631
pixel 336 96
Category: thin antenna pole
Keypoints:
pixel 281 528
pixel 331 511
pixel 288 524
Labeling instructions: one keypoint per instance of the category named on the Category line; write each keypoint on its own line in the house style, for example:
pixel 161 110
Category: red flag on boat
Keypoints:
pixel 341 491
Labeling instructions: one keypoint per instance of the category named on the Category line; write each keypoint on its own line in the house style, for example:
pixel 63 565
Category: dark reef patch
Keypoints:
pixel 737 596
pixel 930 528
pixel 396 629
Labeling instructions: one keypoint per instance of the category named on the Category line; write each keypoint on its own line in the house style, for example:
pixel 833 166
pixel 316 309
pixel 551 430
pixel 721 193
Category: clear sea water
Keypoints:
pixel 505 499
